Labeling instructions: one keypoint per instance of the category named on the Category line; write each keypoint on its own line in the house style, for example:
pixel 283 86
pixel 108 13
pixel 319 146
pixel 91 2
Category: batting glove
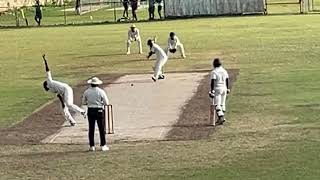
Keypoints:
pixel 211 94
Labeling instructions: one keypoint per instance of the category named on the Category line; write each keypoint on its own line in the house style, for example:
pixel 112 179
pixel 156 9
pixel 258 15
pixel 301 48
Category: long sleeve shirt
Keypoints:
pixel 55 86
pixel 95 97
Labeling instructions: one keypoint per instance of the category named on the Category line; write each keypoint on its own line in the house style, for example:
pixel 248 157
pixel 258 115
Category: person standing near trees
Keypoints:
pixel 160 5
pixel 38 15
pixel 134 7
pixel 125 4
pixel 77 7
pixel 151 9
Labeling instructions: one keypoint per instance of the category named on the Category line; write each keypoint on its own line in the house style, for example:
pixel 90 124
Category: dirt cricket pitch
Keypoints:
pixel 172 109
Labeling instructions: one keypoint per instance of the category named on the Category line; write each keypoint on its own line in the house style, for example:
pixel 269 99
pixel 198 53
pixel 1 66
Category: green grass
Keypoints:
pixel 272 130
pixel 55 16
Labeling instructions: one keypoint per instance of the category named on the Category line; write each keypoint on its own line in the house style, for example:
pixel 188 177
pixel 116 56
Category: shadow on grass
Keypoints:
pixel 308 105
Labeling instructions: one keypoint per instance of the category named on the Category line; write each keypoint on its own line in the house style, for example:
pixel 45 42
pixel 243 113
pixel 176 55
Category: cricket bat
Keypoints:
pixel 212 114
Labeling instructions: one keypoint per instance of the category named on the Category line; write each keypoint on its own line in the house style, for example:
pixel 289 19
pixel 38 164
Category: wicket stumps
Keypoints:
pixel 109 115
pixel 212 115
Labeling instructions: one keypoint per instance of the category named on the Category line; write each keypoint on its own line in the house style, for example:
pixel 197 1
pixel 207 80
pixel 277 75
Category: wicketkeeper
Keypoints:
pixel 96 99
pixel 134 35
pixel 64 93
pixel 174 44
pixel 219 89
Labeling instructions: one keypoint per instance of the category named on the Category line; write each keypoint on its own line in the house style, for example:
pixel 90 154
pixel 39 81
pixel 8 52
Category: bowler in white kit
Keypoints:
pixel 174 44
pixel 134 35
pixel 161 59
pixel 64 93
pixel 219 89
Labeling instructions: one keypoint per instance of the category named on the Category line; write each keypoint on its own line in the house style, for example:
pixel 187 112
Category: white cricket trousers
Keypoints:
pixel 158 66
pixel 129 45
pixel 68 101
pixel 220 100
pixel 180 47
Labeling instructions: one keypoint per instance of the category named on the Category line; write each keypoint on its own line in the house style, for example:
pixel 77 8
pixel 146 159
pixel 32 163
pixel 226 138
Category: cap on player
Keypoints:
pixel 133 26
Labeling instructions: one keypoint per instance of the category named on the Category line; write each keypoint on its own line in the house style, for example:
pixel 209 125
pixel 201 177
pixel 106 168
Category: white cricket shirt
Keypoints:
pixel 95 97
pixel 133 35
pixel 172 43
pixel 56 86
pixel 158 51
pixel 220 75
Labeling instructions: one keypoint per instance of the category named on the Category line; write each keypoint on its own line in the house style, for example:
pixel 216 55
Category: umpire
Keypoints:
pixel 96 99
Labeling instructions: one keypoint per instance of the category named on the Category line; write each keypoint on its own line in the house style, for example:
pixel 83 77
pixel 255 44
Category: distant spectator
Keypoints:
pixel 38 15
pixel 151 9
pixel 77 7
pixel 134 6
pixel 60 2
pixel 160 5
pixel 126 8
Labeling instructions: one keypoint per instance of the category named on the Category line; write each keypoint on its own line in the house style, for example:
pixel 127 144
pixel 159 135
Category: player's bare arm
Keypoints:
pixel 211 93
pixel 228 87
pixel 45 63
pixel 61 100
pixel 212 84
pixel 150 54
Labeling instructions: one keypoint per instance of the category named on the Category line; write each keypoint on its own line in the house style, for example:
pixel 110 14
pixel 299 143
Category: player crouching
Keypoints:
pixel 134 35
pixel 219 89
pixel 161 59
pixel 173 44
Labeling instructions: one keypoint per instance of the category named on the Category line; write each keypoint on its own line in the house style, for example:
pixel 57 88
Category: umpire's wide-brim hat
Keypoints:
pixel 95 81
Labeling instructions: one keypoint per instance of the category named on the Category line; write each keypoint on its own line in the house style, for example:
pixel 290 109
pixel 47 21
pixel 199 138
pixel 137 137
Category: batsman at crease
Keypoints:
pixel 219 89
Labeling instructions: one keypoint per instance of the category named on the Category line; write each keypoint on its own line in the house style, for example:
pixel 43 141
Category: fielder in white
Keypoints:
pixel 134 35
pixel 173 44
pixel 161 59
pixel 219 89
pixel 64 93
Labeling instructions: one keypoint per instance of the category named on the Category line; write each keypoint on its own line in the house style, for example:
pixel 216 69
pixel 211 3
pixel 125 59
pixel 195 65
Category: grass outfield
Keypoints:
pixel 272 130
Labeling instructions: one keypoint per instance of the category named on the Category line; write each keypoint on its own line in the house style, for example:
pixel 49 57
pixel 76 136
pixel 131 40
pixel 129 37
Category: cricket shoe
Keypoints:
pixel 140 52
pixel 128 53
pixel 161 76
pixel 84 115
pixel 183 56
pixel 104 148
pixel 220 120
pixel 154 79
pixel 92 148
pixel 73 124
